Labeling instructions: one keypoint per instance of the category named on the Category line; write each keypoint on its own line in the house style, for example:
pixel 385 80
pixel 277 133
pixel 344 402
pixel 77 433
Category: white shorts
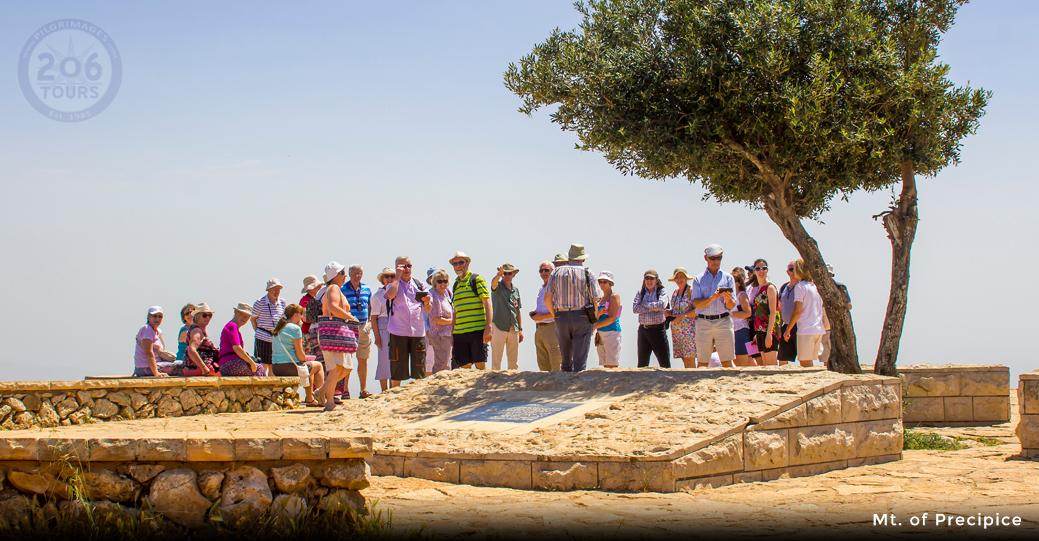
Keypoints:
pixel 808 346
pixel 339 358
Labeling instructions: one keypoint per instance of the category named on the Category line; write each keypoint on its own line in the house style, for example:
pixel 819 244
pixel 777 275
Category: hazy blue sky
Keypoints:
pixel 253 140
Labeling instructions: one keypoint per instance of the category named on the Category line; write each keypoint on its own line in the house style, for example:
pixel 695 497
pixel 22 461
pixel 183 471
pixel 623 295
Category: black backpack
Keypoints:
pixel 313 311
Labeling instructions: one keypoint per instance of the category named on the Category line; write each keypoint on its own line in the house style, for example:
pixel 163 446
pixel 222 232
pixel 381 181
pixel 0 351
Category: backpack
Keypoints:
pixel 313 311
pixel 389 302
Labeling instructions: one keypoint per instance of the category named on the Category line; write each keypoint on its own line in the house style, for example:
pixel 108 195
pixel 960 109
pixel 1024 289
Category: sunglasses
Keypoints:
pixel 790 269
pixel 508 273
pixel 605 282
pixel 759 269
pixel 458 263
pixel 543 271
pixel 207 315
pixel 390 276
pixel 408 266
pixel 715 258
pixel 441 281
pixel 157 315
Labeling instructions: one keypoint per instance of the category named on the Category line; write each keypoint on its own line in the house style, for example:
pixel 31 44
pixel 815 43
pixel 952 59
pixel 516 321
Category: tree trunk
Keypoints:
pixel 844 356
pixel 900 223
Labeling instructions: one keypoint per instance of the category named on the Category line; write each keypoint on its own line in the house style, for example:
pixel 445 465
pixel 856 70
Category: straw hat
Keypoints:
pixel 679 270
pixel 509 267
pixel 244 308
pixel 203 308
pixel 577 253
pixel 310 282
pixel 385 271
pixel 461 255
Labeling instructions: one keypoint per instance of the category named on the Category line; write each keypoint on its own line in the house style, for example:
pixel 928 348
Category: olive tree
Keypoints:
pixel 777 104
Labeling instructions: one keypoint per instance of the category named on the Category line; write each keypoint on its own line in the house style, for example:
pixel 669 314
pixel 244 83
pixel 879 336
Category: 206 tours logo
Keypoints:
pixel 70 70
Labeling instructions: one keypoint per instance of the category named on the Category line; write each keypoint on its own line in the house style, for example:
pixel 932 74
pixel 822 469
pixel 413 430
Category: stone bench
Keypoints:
pixel 185 476
pixel 956 394
pixel 60 403
pixel 1028 405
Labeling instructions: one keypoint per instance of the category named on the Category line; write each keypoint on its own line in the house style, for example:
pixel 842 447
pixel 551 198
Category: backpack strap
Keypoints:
pixel 473 284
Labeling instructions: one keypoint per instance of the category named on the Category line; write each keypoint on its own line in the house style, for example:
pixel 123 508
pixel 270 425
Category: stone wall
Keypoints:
pixel 845 424
pixel 1028 405
pixel 952 395
pixel 61 403
pixel 186 478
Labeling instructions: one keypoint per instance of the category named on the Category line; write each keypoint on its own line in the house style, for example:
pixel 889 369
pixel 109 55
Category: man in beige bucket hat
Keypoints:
pixel 507 329
pixel 571 288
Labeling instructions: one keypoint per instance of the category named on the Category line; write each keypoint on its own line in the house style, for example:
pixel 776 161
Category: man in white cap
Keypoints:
pixel 712 299
pixel 571 291
pixel 267 310
pixel 472 317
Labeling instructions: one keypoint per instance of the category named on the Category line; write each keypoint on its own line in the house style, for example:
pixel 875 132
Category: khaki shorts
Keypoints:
pixel 364 341
pixel 808 346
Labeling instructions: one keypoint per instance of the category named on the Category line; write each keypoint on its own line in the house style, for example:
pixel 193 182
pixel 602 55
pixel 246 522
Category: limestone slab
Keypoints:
pixel 19 448
pixel 387 465
pixel 877 438
pixel 256 445
pixel 865 402
pixel 826 409
pixel 1028 396
pixel 871 460
pixel 347 444
pixel 113 448
pixel 209 446
pixel 797 416
pixel 991 408
pixel 807 470
pixel 433 469
pixel 496 473
pixel 747 477
pixel 565 475
pixel 959 408
pixel 766 449
pixel 71 448
pixel 818 444
pixel 165 448
pixel 723 457
pixel 985 383
pixel 636 476
pixel 299 445
pixel 922 409
pixel 932 384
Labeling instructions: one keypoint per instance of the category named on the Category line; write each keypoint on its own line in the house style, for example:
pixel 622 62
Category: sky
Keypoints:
pixel 251 140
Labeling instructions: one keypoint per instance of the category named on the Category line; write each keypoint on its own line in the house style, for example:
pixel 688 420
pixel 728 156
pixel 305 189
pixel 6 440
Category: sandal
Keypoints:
pixel 314 404
pixel 364 394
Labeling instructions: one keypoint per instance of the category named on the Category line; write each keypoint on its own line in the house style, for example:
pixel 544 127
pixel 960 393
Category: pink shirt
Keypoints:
pixel 230 336
pixel 146 333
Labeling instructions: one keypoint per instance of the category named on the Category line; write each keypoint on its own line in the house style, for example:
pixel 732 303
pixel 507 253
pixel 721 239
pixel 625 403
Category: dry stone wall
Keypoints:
pixel 187 478
pixel 956 394
pixel 1028 405
pixel 25 404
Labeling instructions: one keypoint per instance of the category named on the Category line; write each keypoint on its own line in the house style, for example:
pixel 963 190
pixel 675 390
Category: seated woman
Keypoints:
pixel 151 349
pixel 288 352
pixel 233 359
pixel 182 335
pixel 200 355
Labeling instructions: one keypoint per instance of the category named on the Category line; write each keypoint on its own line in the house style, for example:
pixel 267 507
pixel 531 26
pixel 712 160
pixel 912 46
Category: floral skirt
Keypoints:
pixel 683 338
pixel 237 367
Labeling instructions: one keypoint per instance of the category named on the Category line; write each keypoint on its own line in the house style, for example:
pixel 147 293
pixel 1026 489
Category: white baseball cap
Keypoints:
pixel 332 270
pixel 154 310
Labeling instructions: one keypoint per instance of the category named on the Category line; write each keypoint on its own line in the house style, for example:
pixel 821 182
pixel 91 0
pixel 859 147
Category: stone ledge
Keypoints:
pixel 216 446
pixel 148 383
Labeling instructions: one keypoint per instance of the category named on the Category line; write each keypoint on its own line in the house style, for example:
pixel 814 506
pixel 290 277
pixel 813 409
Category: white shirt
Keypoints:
pixel 811 320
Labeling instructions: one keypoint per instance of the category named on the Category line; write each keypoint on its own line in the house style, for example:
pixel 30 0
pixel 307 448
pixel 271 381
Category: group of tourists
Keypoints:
pixel 715 318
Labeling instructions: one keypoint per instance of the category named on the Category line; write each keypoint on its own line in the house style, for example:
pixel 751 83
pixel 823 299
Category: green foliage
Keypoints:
pixel 915 441
pixel 758 100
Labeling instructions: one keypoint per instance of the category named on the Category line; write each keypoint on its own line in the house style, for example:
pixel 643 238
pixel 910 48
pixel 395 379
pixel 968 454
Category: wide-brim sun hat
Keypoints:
pixel 273 283
pixel 607 275
pixel 577 253
pixel 332 270
pixel 310 282
pixel 244 308
pixel 385 271
pixel 509 267
pixel 679 270
pixel 462 255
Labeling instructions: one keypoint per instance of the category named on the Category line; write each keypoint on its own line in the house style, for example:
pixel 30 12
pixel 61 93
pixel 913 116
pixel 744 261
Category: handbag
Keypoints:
pixel 335 334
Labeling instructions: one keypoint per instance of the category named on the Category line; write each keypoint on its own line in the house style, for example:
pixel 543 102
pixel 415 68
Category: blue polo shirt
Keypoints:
pixel 358 299
pixel 706 285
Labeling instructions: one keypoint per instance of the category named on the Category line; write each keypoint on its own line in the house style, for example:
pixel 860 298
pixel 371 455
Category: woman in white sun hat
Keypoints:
pixel 608 326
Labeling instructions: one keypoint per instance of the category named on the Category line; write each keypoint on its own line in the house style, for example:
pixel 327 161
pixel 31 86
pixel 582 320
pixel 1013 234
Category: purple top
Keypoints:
pixel 407 316
pixel 146 333
pixel 229 337
pixel 441 307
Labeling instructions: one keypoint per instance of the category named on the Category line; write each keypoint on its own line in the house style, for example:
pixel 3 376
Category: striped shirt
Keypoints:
pixel 267 315
pixel 470 314
pixel 706 285
pixel 650 306
pixel 358 299
pixel 573 286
